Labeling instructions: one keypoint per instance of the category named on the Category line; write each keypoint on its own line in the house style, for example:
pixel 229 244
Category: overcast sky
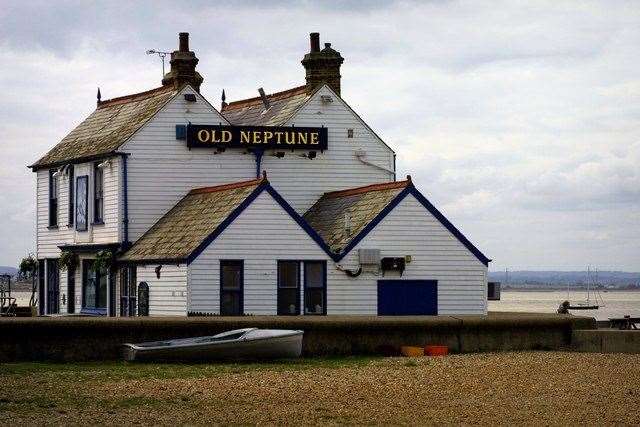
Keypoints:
pixel 519 121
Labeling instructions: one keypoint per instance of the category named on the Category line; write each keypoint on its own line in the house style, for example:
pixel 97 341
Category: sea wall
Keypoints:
pixel 84 339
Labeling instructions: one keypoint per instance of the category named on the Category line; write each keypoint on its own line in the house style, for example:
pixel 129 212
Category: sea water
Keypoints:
pixel 616 303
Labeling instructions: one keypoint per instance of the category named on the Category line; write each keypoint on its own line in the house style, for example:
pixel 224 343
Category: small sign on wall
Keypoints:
pixel 223 136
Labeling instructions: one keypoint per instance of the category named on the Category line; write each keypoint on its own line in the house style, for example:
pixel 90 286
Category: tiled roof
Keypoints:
pixel 362 204
pixel 108 127
pixel 190 222
pixel 283 106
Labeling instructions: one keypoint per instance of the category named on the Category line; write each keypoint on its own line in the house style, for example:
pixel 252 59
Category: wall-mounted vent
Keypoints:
pixel 369 256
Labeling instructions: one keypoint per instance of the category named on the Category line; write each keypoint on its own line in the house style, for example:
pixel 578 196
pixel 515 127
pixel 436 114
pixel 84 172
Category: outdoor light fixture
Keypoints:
pixel 105 164
pixel 158 268
pixel 311 155
pixel 279 154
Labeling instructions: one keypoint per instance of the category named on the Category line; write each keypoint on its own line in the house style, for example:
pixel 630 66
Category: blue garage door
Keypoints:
pixel 407 297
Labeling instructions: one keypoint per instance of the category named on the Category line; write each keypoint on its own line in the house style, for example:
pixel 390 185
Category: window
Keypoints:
pixel 315 287
pixel 288 287
pixel 94 288
pixel 128 291
pixel 98 196
pixel 82 187
pixel 53 198
pixel 231 284
pixel 72 184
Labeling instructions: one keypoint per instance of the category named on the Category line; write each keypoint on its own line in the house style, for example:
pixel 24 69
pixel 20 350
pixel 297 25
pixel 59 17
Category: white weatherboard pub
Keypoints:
pixel 288 203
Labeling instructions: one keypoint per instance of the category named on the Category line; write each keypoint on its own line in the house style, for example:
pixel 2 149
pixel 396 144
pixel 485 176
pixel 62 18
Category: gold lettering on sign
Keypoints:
pixel 226 136
pixel 257 137
pixel 278 136
pixel 203 135
pixel 291 140
pixel 214 139
pixel 267 136
pixel 244 137
pixel 314 138
pixel 302 137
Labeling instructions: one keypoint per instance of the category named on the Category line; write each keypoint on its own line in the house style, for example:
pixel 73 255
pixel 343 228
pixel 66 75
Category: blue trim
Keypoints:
pixel 301 222
pixel 444 221
pixel 84 179
pixel 237 211
pixel 224 224
pixel 297 263
pixel 410 189
pixel 324 287
pixel 125 220
pixel 383 213
pixel 232 262
pixel 259 154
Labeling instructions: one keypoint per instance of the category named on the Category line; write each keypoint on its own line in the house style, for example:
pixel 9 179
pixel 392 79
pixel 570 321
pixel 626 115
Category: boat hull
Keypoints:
pixel 281 347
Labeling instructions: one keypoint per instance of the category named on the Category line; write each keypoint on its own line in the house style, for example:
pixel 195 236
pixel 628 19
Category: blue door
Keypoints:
pixel 407 297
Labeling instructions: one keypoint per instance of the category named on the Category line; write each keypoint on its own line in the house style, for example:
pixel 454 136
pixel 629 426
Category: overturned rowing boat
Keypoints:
pixel 239 344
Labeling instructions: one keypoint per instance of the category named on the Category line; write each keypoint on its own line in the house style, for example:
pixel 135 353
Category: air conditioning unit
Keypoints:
pixel 369 257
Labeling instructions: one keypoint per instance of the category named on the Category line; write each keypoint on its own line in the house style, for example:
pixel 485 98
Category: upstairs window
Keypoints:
pixel 72 184
pixel 98 195
pixel 82 189
pixel 53 198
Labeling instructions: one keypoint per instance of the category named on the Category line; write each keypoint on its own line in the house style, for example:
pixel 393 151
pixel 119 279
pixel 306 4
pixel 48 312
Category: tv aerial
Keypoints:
pixel 160 54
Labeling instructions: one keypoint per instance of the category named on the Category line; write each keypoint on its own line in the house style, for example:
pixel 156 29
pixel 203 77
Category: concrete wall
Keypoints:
pixel 80 339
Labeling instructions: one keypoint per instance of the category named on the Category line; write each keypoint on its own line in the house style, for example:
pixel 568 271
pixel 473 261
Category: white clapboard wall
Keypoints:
pixel 161 169
pixel 48 239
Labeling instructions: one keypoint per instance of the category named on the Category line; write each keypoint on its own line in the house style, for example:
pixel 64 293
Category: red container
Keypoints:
pixel 436 350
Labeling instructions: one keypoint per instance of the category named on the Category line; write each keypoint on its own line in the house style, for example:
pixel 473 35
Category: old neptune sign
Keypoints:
pixel 223 136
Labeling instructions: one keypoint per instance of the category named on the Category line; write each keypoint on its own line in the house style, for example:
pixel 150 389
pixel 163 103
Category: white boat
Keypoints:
pixel 239 344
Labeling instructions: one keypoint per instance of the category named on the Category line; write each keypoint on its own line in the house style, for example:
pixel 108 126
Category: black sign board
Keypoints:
pixel 223 136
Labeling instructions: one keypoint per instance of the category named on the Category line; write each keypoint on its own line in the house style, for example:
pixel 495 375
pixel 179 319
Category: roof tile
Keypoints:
pixel 362 204
pixel 108 127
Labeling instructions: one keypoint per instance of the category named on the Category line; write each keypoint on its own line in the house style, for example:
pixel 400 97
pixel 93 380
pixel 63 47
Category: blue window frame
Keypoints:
pixel 231 287
pixel 315 287
pixel 82 201
pixel 53 198
pixel 288 288
pixel 72 184
pixel 94 288
pixel 98 194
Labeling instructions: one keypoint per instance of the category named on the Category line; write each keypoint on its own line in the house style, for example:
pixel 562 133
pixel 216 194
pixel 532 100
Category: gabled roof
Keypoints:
pixel 108 127
pixel 357 207
pixel 283 105
pixel 366 207
pixel 196 220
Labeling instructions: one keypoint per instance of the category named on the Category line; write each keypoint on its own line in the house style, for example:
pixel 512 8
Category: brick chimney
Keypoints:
pixel 322 66
pixel 183 66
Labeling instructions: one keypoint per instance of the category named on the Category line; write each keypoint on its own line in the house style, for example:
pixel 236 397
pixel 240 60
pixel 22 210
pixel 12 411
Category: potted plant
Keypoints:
pixel 68 260
pixel 103 261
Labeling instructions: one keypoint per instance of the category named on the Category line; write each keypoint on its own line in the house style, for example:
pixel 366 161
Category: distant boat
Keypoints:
pixel 588 304
pixel 239 344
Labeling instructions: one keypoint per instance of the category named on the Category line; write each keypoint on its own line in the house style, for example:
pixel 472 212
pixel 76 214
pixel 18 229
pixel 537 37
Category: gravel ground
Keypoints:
pixel 506 388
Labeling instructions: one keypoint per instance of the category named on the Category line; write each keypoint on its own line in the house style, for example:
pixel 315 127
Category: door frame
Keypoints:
pixel 53 295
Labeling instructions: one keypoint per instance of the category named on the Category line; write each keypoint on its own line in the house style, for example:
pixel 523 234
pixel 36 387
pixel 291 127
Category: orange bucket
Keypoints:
pixel 409 351
pixel 436 350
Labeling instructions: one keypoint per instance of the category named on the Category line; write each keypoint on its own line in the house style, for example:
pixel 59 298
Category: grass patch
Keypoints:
pixel 111 371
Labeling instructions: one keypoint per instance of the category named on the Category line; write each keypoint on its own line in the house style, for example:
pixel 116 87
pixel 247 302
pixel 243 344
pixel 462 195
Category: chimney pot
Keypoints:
pixel 184 42
pixel 314 38
pixel 327 45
